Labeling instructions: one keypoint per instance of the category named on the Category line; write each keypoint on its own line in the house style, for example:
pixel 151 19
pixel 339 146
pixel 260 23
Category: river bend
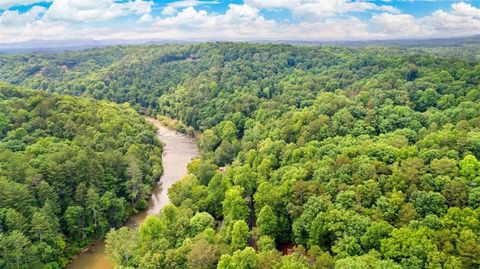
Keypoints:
pixel 178 151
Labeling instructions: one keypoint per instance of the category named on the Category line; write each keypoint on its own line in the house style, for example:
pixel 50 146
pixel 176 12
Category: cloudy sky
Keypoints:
pixel 22 20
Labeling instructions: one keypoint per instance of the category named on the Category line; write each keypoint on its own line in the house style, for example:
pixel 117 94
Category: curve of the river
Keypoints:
pixel 178 151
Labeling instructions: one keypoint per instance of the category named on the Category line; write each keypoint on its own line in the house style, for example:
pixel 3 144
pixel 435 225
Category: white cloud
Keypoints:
pixel 186 17
pixel 464 19
pixel 273 4
pixel 37 29
pixel 169 10
pixel 146 18
pixel 239 13
pixel 66 18
pixel 465 10
pixel 331 29
pixel 95 10
pixel 387 24
pixel 6 4
pixel 450 24
pixel 69 19
pixel 191 3
pixel 172 7
pixel 244 22
pixel 320 8
pixel 238 22
pixel 10 18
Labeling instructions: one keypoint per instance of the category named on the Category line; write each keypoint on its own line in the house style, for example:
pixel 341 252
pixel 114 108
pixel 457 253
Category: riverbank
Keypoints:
pixel 178 126
pixel 179 149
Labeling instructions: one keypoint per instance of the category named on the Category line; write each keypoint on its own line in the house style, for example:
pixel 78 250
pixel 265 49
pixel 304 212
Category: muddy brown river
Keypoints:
pixel 178 150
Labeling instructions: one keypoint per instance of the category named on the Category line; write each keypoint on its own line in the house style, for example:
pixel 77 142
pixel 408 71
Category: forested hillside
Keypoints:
pixel 70 169
pixel 340 157
pixel 197 82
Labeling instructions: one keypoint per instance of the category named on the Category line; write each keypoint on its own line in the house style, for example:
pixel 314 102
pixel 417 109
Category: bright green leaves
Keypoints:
pixel 267 223
pixel 121 246
pixel 234 205
pixel 240 235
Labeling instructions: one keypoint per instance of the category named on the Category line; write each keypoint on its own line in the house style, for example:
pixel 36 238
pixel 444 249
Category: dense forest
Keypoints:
pixel 312 156
pixel 70 169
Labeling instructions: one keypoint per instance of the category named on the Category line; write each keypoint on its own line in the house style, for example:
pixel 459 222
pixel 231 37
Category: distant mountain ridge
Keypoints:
pixel 43 45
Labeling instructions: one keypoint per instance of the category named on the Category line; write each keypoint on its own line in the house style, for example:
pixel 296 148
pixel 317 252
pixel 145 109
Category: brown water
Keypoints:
pixel 178 150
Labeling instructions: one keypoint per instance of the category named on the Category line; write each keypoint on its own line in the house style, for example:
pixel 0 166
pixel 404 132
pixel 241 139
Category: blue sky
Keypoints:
pixel 22 20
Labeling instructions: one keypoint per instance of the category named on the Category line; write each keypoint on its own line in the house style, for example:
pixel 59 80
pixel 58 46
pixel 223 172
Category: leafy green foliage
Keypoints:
pixel 359 157
pixel 65 173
